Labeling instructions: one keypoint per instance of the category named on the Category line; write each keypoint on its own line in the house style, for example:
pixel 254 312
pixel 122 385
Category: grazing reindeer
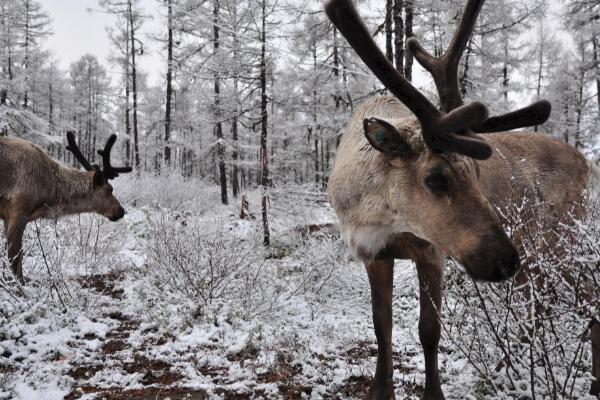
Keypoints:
pixel 33 185
pixel 417 188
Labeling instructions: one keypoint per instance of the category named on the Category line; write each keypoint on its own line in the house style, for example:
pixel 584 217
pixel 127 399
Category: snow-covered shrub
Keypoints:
pixel 170 189
pixel 25 124
pixel 295 205
pixel 530 336
pixel 201 263
pixel 10 288
pixel 59 258
pixel 316 260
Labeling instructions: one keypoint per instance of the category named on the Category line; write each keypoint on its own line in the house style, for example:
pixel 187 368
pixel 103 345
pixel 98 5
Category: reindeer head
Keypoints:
pixel 432 173
pixel 101 197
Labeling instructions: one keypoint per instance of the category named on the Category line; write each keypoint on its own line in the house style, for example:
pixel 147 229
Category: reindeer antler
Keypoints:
pixel 108 170
pixel 74 148
pixel 534 114
pixel 451 132
pixel 444 70
pixel 438 129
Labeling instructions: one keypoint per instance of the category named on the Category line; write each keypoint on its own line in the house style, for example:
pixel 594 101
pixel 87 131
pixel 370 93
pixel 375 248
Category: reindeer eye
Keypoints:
pixel 437 183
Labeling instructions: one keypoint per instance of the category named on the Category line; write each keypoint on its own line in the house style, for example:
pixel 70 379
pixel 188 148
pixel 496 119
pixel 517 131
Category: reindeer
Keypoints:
pixel 413 182
pixel 33 185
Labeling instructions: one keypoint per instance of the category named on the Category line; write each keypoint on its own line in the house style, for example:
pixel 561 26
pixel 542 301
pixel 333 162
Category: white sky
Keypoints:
pixel 79 27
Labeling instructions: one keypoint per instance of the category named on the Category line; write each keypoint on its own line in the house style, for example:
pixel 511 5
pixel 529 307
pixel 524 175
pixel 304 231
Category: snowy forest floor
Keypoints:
pixel 179 300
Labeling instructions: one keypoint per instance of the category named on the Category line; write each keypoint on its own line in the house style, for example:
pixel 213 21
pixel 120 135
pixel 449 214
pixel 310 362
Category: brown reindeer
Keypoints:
pixel 33 185
pixel 410 182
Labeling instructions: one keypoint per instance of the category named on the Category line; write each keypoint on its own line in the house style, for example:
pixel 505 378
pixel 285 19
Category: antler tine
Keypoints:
pixel 534 114
pixel 437 128
pixel 445 68
pixel 344 15
pixel 108 170
pixel 73 148
pixel 445 74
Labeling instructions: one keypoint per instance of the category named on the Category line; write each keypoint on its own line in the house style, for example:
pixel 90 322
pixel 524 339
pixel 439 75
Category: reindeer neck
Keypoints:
pixel 72 192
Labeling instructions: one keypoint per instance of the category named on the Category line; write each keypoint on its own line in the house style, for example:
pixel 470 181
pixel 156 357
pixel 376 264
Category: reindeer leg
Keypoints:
pixel 430 269
pixel 595 389
pixel 14 229
pixel 381 279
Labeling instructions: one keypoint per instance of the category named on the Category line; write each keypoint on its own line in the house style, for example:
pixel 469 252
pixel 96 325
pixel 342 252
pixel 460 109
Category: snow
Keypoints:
pixel 296 319
pixel 23 390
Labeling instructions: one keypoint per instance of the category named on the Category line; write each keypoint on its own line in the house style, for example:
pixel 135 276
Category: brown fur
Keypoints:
pixel 33 185
pixel 386 211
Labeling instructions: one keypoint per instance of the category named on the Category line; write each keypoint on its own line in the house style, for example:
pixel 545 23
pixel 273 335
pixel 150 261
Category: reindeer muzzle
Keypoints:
pixel 118 215
pixel 495 260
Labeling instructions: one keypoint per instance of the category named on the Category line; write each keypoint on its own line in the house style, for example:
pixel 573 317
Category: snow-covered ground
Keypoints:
pixel 180 300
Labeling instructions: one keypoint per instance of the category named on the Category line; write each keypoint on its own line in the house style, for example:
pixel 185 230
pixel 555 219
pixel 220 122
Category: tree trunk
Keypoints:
pixel 235 184
pixel 136 147
pixel 579 107
pixel 408 33
pixel 323 179
pixel 566 133
pixel 315 127
pixel 389 51
pixel 264 160
pixel 50 102
pixel 538 90
pixel 350 103
pixel 3 96
pixel 169 92
pixel 127 95
pixel 26 58
pixel 399 39
pixel 464 78
pixel 316 160
pixel 336 69
pixel 88 120
pixel 219 124
pixel 597 69
pixel 505 69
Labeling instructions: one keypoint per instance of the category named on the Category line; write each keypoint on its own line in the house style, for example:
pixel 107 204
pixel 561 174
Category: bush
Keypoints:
pixel 58 259
pixel 529 336
pixel 168 190
pixel 204 261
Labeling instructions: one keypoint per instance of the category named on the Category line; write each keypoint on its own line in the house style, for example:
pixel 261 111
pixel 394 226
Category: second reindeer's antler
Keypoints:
pixel 73 148
pixel 108 170
pixel 442 132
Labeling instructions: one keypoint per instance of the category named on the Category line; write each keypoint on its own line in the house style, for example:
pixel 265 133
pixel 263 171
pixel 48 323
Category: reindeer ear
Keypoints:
pixel 99 179
pixel 385 138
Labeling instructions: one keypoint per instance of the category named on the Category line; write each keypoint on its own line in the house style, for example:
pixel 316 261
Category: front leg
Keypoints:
pixel 430 269
pixel 381 280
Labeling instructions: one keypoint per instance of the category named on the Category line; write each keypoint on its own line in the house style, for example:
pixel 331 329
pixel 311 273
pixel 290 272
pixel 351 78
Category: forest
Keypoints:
pixel 227 278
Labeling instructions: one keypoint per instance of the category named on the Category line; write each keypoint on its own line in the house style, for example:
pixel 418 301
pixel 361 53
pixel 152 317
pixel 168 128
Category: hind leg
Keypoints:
pixel 14 229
